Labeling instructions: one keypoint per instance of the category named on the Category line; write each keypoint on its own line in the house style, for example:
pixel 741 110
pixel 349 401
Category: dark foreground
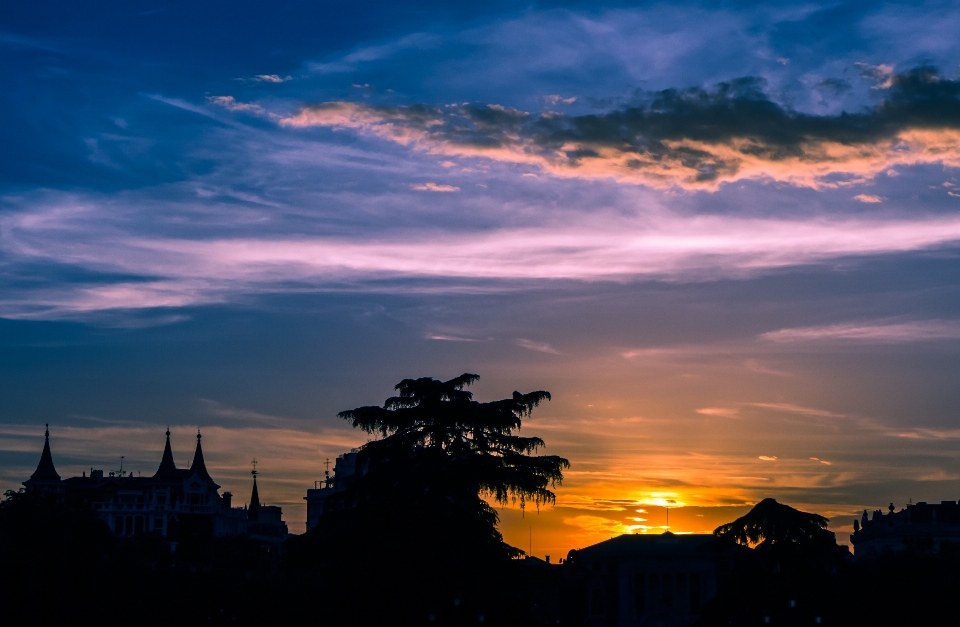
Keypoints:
pixel 61 566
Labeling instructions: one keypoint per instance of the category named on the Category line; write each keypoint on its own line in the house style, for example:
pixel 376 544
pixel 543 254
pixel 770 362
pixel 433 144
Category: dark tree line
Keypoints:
pixel 414 541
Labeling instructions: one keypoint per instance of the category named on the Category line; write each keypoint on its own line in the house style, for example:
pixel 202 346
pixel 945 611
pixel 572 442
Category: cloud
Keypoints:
pixel 757 366
pixel 557 99
pixel 797 409
pixel 540 347
pixel 768 458
pixel 734 412
pixel 724 412
pixel 881 74
pixel 833 86
pixel 144 269
pixel 450 338
pixel 868 198
pixel 597 525
pixel 926 434
pixel 230 104
pixel 239 417
pixel 875 332
pixel 434 187
pixel 367 54
pixel 271 78
pixel 691 139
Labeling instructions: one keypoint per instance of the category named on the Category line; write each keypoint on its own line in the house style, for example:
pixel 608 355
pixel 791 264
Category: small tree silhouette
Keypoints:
pixel 770 524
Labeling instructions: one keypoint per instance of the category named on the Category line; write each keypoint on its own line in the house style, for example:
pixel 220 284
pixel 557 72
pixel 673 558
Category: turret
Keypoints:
pixel 167 469
pixel 45 478
pixel 198 466
pixel 253 512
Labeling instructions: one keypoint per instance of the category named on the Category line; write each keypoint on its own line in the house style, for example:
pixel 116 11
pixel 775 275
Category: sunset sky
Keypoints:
pixel 724 236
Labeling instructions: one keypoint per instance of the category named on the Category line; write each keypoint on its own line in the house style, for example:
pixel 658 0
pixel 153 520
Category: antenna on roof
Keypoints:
pixel 667 505
pixel 254 471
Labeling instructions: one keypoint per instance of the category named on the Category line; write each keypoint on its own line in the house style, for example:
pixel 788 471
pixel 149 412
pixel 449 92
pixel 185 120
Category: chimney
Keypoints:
pixel 228 499
pixel 548 559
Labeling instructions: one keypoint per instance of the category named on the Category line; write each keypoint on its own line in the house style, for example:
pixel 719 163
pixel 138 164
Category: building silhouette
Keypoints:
pixel 645 580
pixel 344 472
pixel 924 527
pixel 265 522
pixel 175 503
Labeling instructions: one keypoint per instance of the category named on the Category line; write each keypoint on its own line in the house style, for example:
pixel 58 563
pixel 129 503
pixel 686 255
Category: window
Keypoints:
pixel 639 593
pixel 596 603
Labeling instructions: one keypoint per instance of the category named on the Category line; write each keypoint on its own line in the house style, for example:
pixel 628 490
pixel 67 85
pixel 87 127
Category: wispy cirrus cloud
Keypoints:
pixel 441 337
pixel 435 187
pixel 154 270
pixel 232 105
pixel 791 408
pixel 540 347
pixel 723 412
pixel 871 331
pixel 272 78
pixel 366 54
pixel 734 411
pixel 691 139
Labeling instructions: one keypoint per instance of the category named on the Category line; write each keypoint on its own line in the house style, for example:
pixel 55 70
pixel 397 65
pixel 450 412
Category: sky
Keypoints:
pixel 724 236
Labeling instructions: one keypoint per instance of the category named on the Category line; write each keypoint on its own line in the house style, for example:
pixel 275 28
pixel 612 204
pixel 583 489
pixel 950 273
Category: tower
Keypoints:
pixel 253 513
pixel 167 469
pixel 199 466
pixel 45 478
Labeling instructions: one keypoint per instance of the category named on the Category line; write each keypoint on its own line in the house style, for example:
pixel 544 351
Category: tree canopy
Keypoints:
pixel 414 525
pixel 436 436
pixel 770 524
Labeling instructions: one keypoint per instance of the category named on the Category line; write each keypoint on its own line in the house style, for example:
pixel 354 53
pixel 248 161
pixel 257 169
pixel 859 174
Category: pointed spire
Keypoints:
pixel 45 470
pixel 198 466
pixel 253 513
pixel 167 467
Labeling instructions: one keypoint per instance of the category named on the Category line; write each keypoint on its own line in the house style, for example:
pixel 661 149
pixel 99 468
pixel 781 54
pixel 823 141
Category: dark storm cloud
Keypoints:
pixel 692 138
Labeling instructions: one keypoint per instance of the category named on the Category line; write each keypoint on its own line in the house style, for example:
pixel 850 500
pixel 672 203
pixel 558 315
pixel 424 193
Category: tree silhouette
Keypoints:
pixel 436 438
pixel 414 524
pixel 790 575
pixel 770 524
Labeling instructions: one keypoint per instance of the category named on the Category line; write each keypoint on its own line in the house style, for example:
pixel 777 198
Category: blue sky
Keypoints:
pixel 723 235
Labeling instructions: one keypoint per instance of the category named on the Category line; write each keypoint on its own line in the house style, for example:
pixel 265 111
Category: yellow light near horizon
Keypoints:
pixel 661 499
